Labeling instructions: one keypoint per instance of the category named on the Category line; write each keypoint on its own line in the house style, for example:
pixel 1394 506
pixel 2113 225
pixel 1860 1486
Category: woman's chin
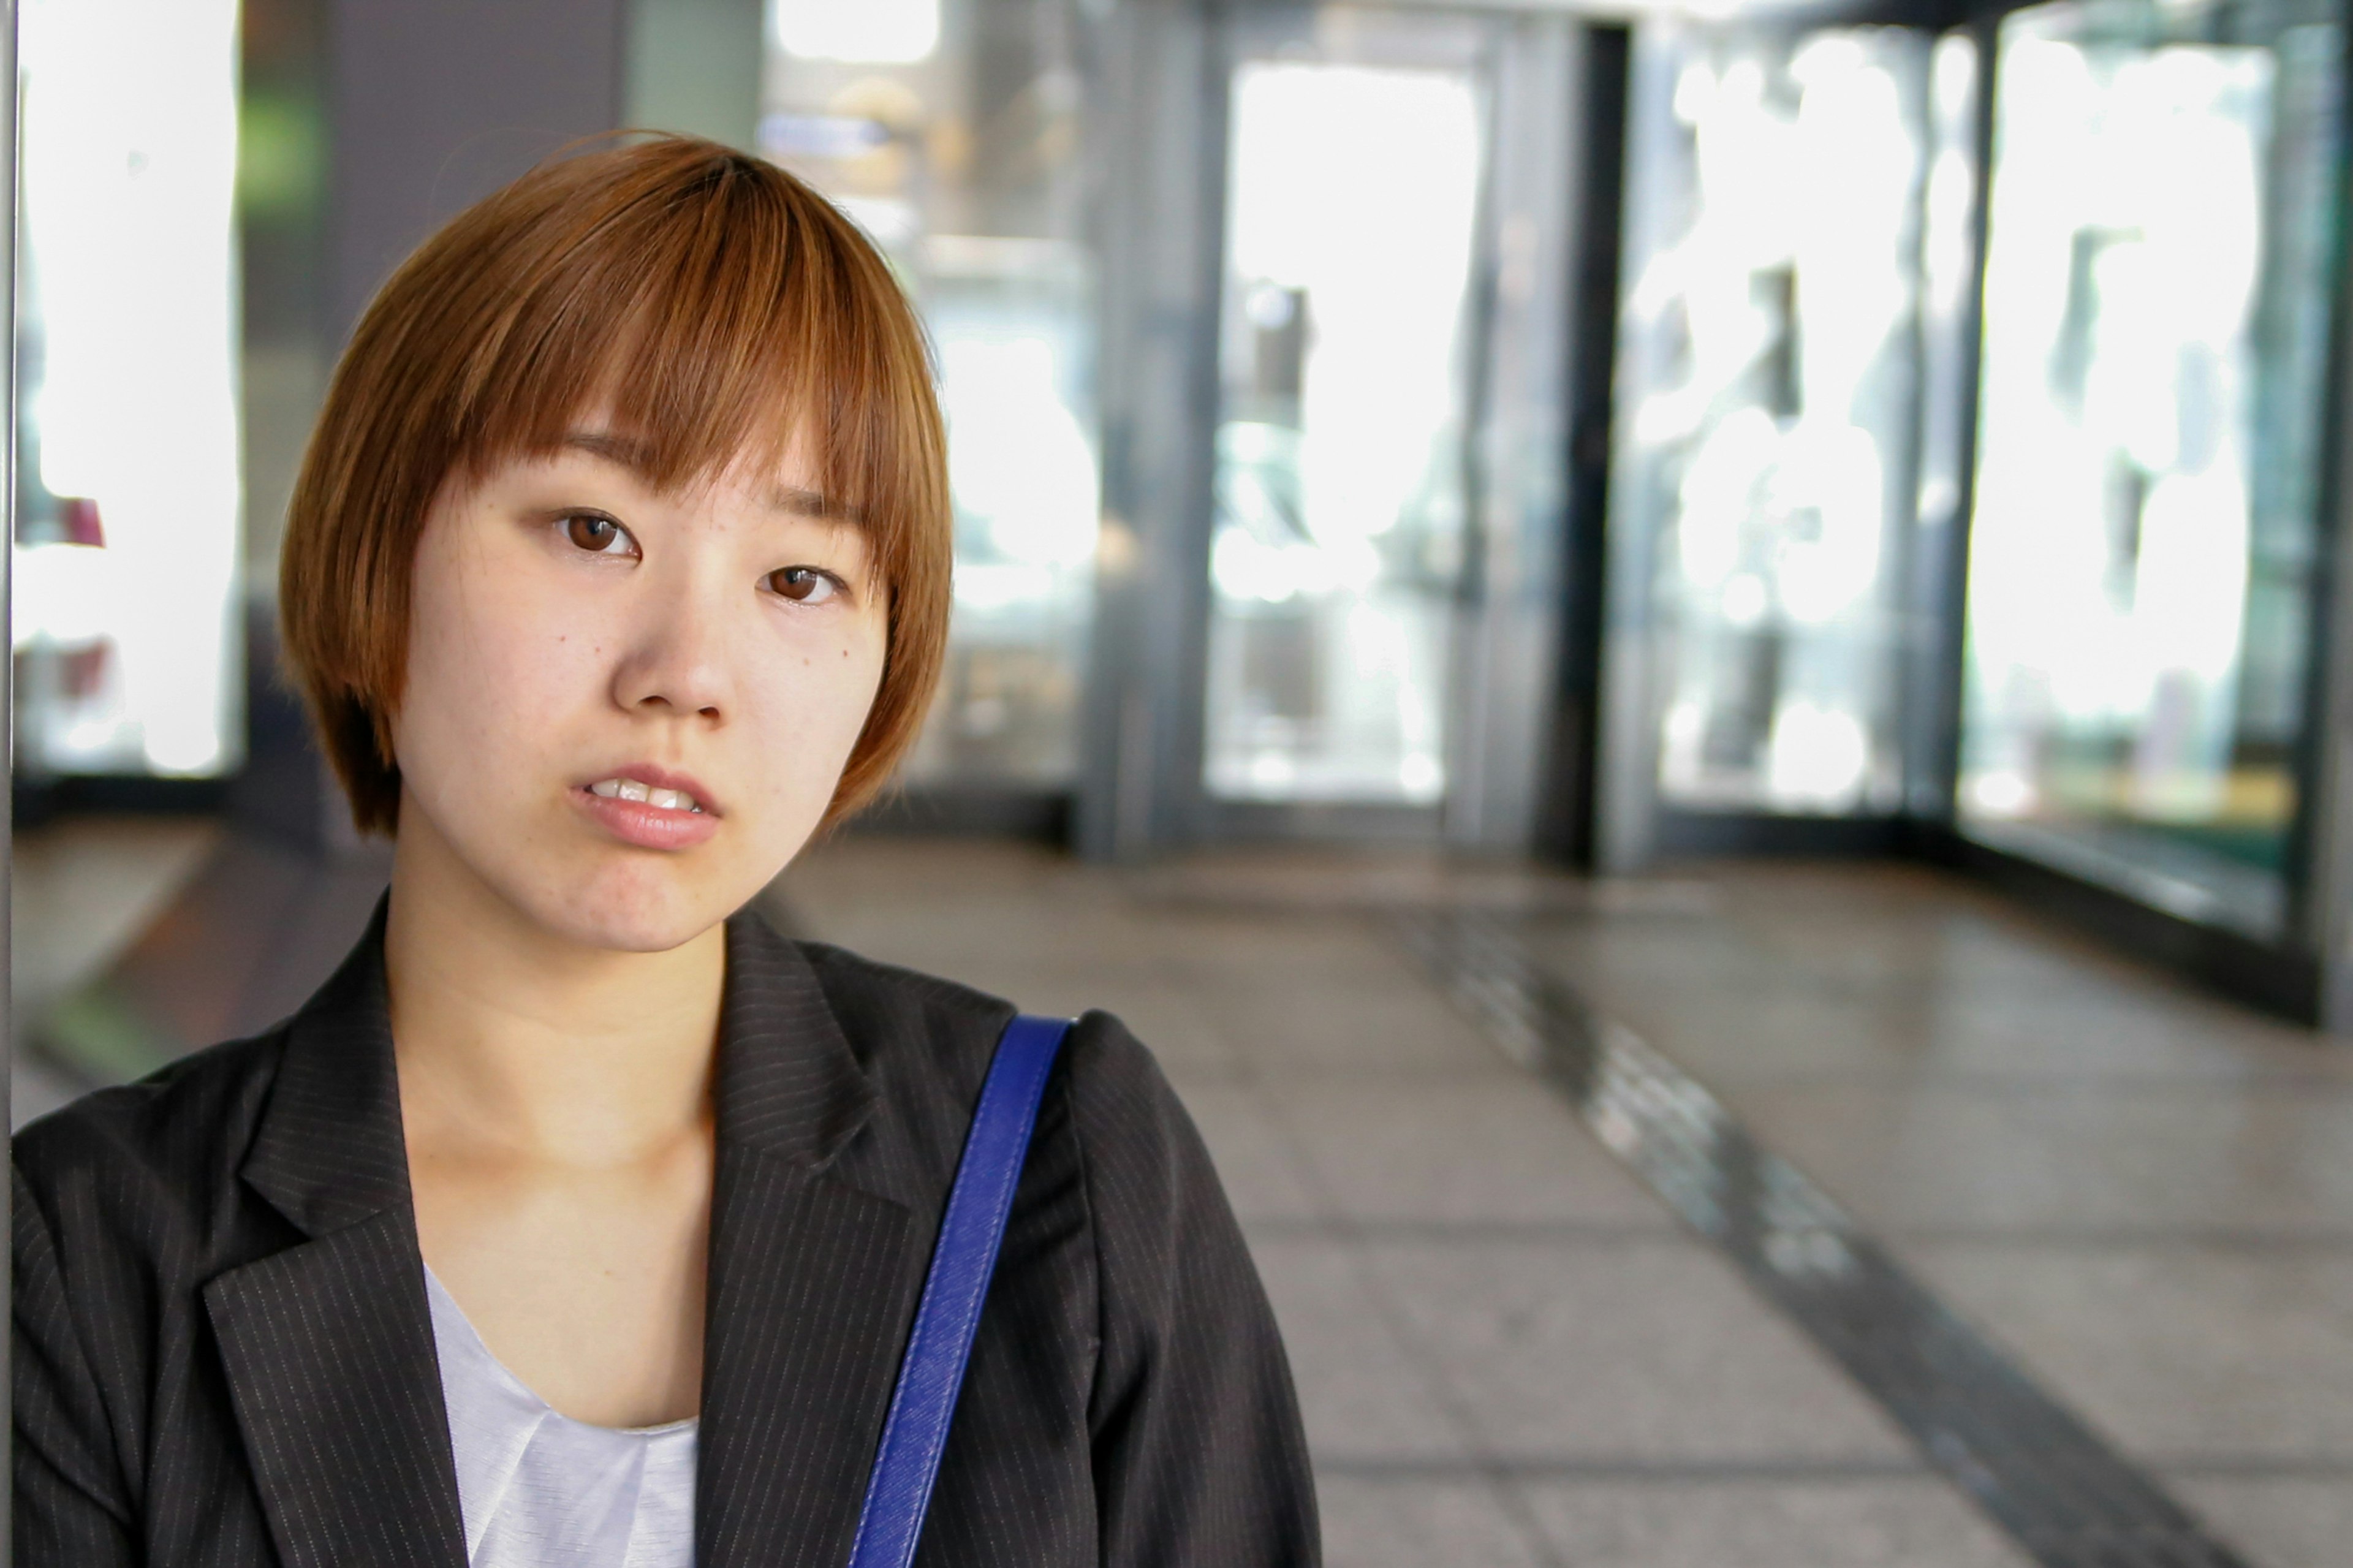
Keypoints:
pixel 638 910
pixel 619 935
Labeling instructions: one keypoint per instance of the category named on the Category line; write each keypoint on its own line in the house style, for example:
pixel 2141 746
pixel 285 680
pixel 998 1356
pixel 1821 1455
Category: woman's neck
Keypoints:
pixel 511 1037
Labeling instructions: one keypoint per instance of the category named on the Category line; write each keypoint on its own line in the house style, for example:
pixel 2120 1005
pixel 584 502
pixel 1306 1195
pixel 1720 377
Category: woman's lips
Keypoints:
pixel 644 824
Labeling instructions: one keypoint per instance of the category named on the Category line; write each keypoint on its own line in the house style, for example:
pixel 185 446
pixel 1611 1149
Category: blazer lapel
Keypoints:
pixel 814 1278
pixel 328 1345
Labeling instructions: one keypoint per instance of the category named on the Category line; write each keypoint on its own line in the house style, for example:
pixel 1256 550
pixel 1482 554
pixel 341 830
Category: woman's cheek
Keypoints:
pixel 837 704
pixel 816 708
pixel 514 685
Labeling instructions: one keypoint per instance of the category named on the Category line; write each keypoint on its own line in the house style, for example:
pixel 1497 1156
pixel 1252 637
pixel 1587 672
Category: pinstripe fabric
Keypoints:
pixel 224 1354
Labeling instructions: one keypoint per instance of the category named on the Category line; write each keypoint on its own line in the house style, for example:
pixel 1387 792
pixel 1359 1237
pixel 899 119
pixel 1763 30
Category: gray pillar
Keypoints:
pixel 436 103
pixel 1159 137
pixel 432 104
pixel 1625 775
pixel 1507 645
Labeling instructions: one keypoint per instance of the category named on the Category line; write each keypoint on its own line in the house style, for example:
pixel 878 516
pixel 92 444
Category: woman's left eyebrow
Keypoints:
pixel 800 502
pixel 630 455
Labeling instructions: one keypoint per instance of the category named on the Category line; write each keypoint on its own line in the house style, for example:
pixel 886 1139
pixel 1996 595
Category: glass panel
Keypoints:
pixel 1770 356
pixel 1340 484
pixel 948 129
pixel 281 198
pixel 126 541
pixel 2145 526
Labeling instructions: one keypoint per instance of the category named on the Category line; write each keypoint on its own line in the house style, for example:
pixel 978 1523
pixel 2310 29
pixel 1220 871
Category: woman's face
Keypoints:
pixel 627 708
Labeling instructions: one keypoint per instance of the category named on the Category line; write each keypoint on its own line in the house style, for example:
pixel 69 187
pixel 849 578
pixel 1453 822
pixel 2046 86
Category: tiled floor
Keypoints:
pixel 80 891
pixel 1509 1351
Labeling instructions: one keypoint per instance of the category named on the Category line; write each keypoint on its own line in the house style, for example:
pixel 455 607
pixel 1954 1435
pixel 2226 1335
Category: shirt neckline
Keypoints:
pixel 479 1351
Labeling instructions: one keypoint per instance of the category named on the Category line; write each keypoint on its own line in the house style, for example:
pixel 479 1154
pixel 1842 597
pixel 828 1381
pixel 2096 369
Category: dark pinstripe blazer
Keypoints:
pixel 223 1353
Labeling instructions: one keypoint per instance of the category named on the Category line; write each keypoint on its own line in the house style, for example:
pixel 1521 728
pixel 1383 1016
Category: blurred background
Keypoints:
pixel 1685 662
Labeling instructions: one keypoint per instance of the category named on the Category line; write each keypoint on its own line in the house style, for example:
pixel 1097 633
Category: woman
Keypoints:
pixel 579 1217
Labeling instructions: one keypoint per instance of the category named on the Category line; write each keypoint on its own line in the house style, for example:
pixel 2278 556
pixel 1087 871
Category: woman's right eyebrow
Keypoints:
pixel 799 503
pixel 630 454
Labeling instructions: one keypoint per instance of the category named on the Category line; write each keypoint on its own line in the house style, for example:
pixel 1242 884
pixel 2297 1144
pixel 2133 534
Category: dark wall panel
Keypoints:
pixel 438 103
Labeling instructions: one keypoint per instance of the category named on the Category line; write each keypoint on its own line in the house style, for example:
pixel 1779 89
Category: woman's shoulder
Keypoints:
pixel 1117 1167
pixel 163 1145
pixel 927 1043
pixel 926 1046
pixel 188 1112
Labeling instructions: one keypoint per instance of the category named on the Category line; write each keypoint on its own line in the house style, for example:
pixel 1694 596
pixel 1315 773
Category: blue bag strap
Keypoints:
pixel 900 1490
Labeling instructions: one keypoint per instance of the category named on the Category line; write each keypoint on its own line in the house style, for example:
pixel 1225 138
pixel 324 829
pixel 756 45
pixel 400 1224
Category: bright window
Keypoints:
pixel 126 549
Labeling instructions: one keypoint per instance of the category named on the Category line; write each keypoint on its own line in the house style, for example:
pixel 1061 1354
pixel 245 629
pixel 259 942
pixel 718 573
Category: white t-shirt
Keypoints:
pixel 540 1490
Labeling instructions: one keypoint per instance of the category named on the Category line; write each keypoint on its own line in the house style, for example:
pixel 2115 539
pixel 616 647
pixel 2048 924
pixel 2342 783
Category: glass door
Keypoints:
pixel 2147 523
pixel 1765 485
pixel 1356 156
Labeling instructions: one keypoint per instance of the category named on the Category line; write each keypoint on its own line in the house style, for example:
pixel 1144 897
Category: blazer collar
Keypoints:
pixel 813 1282
pixel 329 1150
pixel 788 1085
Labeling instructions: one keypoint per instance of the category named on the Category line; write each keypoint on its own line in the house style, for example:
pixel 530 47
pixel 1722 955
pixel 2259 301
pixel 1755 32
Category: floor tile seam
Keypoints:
pixel 1733 1080
pixel 1402 1231
pixel 1638 1468
pixel 1405 1231
pixel 1345 1231
pixel 1637 960
pixel 1690 1148
pixel 2148 1045
pixel 1283 1075
pixel 2120 1239
pixel 2249 1468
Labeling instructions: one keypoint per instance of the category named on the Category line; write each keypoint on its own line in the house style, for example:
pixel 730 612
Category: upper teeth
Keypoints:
pixel 632 789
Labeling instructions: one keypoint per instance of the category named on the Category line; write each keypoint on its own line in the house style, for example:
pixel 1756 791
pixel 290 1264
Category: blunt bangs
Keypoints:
pixel 701 303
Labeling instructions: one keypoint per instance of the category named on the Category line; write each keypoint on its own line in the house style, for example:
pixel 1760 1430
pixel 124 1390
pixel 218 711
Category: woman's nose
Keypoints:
pixel 678 663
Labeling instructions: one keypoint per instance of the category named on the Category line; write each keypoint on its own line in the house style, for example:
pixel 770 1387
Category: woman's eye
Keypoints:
pixel 598 535
pixel 804 584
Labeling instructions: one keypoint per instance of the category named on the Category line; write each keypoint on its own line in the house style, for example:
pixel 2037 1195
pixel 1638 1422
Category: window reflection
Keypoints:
pixel 1767 425
pixel 949 130
pixel 1340 503
pixel 125 550
pixel 2143 529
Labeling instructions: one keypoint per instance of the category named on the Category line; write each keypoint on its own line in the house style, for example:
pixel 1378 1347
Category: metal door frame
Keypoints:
pixel 1161 242
pixel 7 605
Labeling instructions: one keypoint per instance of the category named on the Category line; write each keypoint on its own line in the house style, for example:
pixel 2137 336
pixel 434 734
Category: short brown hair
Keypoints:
pixel 747 311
